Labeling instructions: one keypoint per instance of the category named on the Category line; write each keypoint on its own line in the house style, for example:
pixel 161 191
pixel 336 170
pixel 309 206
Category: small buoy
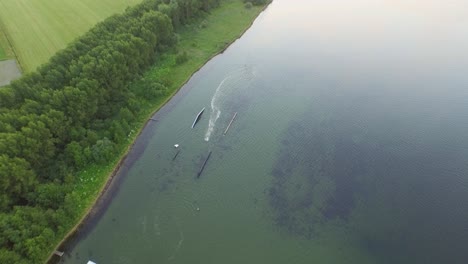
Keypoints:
pixel 176 145
pixel 198 208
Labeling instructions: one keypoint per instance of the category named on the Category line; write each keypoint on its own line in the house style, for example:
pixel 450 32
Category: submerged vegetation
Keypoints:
pixel 65 126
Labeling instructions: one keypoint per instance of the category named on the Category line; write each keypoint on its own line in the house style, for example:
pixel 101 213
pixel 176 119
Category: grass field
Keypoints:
pixel 39 28
pixel 2 54
pixel 5 49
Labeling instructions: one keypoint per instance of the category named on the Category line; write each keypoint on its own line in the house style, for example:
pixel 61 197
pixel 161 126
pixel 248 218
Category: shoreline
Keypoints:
pixel 107 185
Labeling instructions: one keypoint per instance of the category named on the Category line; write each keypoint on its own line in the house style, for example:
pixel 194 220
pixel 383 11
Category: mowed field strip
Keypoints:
pixel 5 49
pixel 39 28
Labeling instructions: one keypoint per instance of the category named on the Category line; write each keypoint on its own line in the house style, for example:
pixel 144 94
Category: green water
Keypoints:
pixel 350 146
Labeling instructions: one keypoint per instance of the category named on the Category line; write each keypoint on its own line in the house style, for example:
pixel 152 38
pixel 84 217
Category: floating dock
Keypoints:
pixel 197 118
pixel 204 164
pixel 230 123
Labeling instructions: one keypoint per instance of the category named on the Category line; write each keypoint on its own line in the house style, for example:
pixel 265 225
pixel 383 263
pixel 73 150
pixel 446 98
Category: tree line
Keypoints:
pixel 74 111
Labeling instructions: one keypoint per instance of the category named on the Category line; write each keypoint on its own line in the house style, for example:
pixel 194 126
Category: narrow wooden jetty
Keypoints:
pixel 152 119
pixel 197 118
pixel 230 123
pixel 204 164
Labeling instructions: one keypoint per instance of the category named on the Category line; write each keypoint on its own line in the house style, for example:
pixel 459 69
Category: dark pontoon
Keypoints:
pixel 204 164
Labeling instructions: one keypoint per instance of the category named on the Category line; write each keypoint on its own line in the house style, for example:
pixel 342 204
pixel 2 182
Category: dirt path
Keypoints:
pixel 9 71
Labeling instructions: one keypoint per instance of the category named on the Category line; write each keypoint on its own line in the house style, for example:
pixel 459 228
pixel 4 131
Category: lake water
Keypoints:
pixel 350 146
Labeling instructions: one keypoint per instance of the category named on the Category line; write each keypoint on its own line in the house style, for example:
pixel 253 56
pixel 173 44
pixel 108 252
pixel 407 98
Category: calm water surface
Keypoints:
pixel 350 146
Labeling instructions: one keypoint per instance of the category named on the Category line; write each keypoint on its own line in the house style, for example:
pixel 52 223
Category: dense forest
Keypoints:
pixel 73 112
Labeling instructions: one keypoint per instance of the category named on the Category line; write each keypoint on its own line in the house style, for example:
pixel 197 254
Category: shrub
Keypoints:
pixel 181 57
pixel 103 150
pixel 204 24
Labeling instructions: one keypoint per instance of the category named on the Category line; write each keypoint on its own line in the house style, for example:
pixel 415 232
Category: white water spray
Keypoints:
pixel 215 110
pixel 231 81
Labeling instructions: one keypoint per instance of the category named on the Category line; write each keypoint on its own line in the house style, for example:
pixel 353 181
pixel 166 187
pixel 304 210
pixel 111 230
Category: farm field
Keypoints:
pixel 39 28
pixel 5 49
pixel 2 53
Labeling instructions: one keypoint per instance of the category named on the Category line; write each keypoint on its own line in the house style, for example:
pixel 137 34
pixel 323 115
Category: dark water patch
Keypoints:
pixel 349 163
pixel 397 185
pixel 315 176
pixel 165 185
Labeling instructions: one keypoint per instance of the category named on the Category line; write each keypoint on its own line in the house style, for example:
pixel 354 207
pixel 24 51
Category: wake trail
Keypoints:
pixel 215 110
pixel 179 244
pixel 237 79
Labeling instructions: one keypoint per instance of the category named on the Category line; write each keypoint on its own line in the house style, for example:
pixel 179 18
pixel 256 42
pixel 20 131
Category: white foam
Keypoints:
pixel 215 110
pixel 227 84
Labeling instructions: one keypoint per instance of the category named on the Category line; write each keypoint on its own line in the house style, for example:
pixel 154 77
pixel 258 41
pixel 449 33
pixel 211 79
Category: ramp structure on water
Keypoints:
pixel 204 164
pixel 197 118
pixel 230 123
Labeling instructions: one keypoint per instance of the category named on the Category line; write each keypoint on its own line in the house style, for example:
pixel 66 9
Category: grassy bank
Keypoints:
pixel 201 41
pixel 39 28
